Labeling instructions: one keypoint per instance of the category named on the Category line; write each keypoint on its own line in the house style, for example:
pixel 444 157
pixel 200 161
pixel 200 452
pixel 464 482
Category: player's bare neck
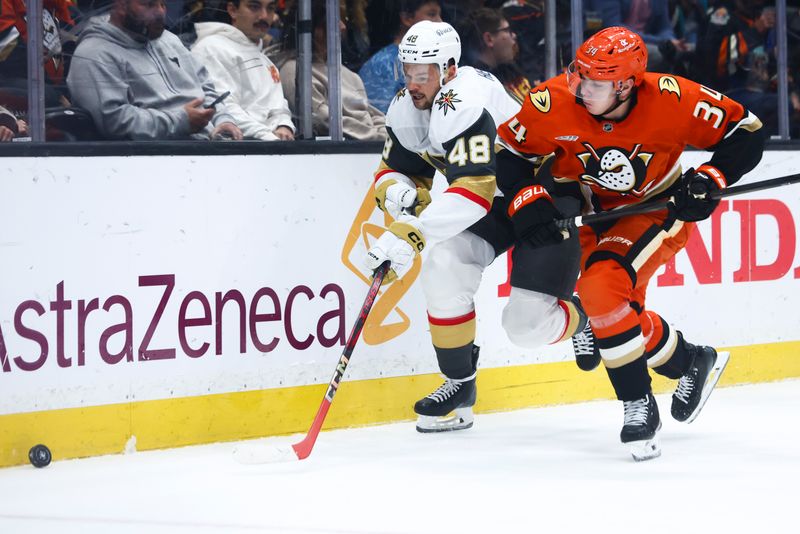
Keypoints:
pixel 620 112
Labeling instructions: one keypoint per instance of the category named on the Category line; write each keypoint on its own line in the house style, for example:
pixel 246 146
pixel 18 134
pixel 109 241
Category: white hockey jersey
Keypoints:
pixel 456 137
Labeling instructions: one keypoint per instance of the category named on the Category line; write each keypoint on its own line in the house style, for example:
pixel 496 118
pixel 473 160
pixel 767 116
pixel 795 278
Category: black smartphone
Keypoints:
pixel 219 99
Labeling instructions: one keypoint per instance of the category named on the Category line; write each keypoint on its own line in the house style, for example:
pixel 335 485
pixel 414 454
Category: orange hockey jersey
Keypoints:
pixel 636 158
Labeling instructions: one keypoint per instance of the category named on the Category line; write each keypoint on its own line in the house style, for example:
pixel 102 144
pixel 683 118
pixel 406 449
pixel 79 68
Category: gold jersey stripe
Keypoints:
pixel 483 186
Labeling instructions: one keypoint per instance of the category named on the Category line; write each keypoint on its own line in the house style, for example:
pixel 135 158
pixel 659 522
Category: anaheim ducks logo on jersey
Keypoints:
pixel 541 100
pixel 447 100
pixel 670 85
pixel 614 169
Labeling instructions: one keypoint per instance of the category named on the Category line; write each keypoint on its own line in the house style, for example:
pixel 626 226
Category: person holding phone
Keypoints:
pixel 139 82
pixel 233 52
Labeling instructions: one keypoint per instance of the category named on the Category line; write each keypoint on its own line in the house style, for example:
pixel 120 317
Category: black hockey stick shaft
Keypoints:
pixel 636 209
pixel 304 447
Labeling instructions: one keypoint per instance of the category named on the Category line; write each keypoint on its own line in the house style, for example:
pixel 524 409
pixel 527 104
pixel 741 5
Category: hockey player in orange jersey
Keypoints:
pixel 619 131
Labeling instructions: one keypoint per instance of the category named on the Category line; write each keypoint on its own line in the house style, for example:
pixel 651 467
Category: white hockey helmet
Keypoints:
pixel 431 42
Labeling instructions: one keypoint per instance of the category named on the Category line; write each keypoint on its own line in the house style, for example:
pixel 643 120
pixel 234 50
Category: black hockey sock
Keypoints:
pixel 680 360
pixel 631 381
pixel 459 362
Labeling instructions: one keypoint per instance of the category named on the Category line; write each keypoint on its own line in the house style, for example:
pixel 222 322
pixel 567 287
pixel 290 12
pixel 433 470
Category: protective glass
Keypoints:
pixel 588 89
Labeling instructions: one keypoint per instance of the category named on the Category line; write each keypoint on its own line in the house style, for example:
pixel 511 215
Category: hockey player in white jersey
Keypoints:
pixel 445 119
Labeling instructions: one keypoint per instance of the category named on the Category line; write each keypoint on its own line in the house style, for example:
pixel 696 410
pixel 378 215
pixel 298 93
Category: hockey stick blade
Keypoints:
pixel 255 454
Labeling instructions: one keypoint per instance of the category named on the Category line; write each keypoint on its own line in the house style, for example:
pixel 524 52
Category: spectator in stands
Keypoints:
pixel 526 18
pixel 10 127
pixel 360 120
pixel 139 82
pixel 734 29
pixel 388 23
pixel 234 56
pixel 755 95
pixel 355 43
pixel 490 44
pixel 14 53
pixel 648 18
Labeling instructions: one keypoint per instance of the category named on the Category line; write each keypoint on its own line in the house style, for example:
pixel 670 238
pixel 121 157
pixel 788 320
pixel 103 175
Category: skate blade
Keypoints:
pixel 459 419
pixel 711 382
pixel 646 449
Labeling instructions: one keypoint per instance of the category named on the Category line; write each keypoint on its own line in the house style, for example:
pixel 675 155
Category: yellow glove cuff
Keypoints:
pixel 408 233
pixel 380 193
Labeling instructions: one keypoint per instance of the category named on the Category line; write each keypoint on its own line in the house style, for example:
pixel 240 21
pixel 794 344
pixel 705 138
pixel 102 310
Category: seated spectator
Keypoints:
pixel 14 52
pixel 139 82
pixel 648 18
pixel 388 23
pixel 489 44
pixel 734 29
pixel 234 56
pixel 10 127
pixel 355 44
pixel 526 18
pixel 755 94
pixel 360 120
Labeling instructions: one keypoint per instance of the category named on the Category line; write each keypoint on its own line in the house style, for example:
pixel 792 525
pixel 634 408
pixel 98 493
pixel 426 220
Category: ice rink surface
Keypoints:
pixel 550 470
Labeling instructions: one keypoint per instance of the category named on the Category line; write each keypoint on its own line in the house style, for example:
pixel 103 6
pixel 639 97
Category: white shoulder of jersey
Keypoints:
pixel 463 100
pixel 409 124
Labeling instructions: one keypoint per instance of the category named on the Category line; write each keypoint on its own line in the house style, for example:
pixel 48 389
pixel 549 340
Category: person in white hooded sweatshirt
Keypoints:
pixel 234 57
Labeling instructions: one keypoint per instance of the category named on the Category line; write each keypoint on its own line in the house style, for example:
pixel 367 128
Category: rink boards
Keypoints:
pixel 151 302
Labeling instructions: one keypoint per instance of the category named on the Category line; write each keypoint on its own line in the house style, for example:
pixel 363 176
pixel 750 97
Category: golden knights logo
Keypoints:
pixel 615 169
pixel 446 101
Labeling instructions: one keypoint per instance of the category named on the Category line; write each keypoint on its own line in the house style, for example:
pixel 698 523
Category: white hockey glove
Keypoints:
pixel 394 196
pixel 399 244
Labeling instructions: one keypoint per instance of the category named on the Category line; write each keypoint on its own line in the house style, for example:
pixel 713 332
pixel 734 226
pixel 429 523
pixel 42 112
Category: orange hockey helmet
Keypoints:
pixel 613 54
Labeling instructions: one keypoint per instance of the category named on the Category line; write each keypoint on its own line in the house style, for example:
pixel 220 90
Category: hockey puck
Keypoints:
pixel 40 456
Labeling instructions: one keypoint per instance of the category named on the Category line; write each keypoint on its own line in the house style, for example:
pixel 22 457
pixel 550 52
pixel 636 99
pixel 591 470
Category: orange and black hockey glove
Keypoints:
pixel 535 217
pixel 693 201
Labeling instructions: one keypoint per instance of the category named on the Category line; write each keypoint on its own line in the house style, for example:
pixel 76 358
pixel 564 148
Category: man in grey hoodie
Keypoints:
pixel 138 81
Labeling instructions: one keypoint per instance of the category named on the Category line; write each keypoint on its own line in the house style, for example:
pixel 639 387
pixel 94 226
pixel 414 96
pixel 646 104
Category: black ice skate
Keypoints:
pixel 449 407
pixel 640 430
pixel 587 354
pixel 695 386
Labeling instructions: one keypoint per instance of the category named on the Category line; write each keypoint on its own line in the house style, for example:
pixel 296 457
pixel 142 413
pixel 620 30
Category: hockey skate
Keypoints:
pixel 449 407
pixel 587 354
pixel 640 429
pixel 695 386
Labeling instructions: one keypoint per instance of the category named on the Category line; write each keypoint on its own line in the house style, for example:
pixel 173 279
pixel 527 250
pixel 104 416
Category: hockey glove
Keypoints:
pixel 393 197
pixel 399 244
pixel 535 217
pixel 693 202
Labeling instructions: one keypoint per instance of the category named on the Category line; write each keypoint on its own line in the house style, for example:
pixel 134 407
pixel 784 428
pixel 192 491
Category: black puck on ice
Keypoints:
pixel 40 456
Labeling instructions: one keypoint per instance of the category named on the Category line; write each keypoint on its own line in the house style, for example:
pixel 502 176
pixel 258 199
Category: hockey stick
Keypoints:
pixel 636 209
pixel 302 449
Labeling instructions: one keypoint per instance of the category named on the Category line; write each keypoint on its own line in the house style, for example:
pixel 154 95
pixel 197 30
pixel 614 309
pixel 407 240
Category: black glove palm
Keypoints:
pixel 693 201
pixel 536 219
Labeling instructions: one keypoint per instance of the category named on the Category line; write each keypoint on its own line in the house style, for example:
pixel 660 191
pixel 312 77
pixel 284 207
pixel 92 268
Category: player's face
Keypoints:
pixel 597 95
pixel 252 17
pixel 422 83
